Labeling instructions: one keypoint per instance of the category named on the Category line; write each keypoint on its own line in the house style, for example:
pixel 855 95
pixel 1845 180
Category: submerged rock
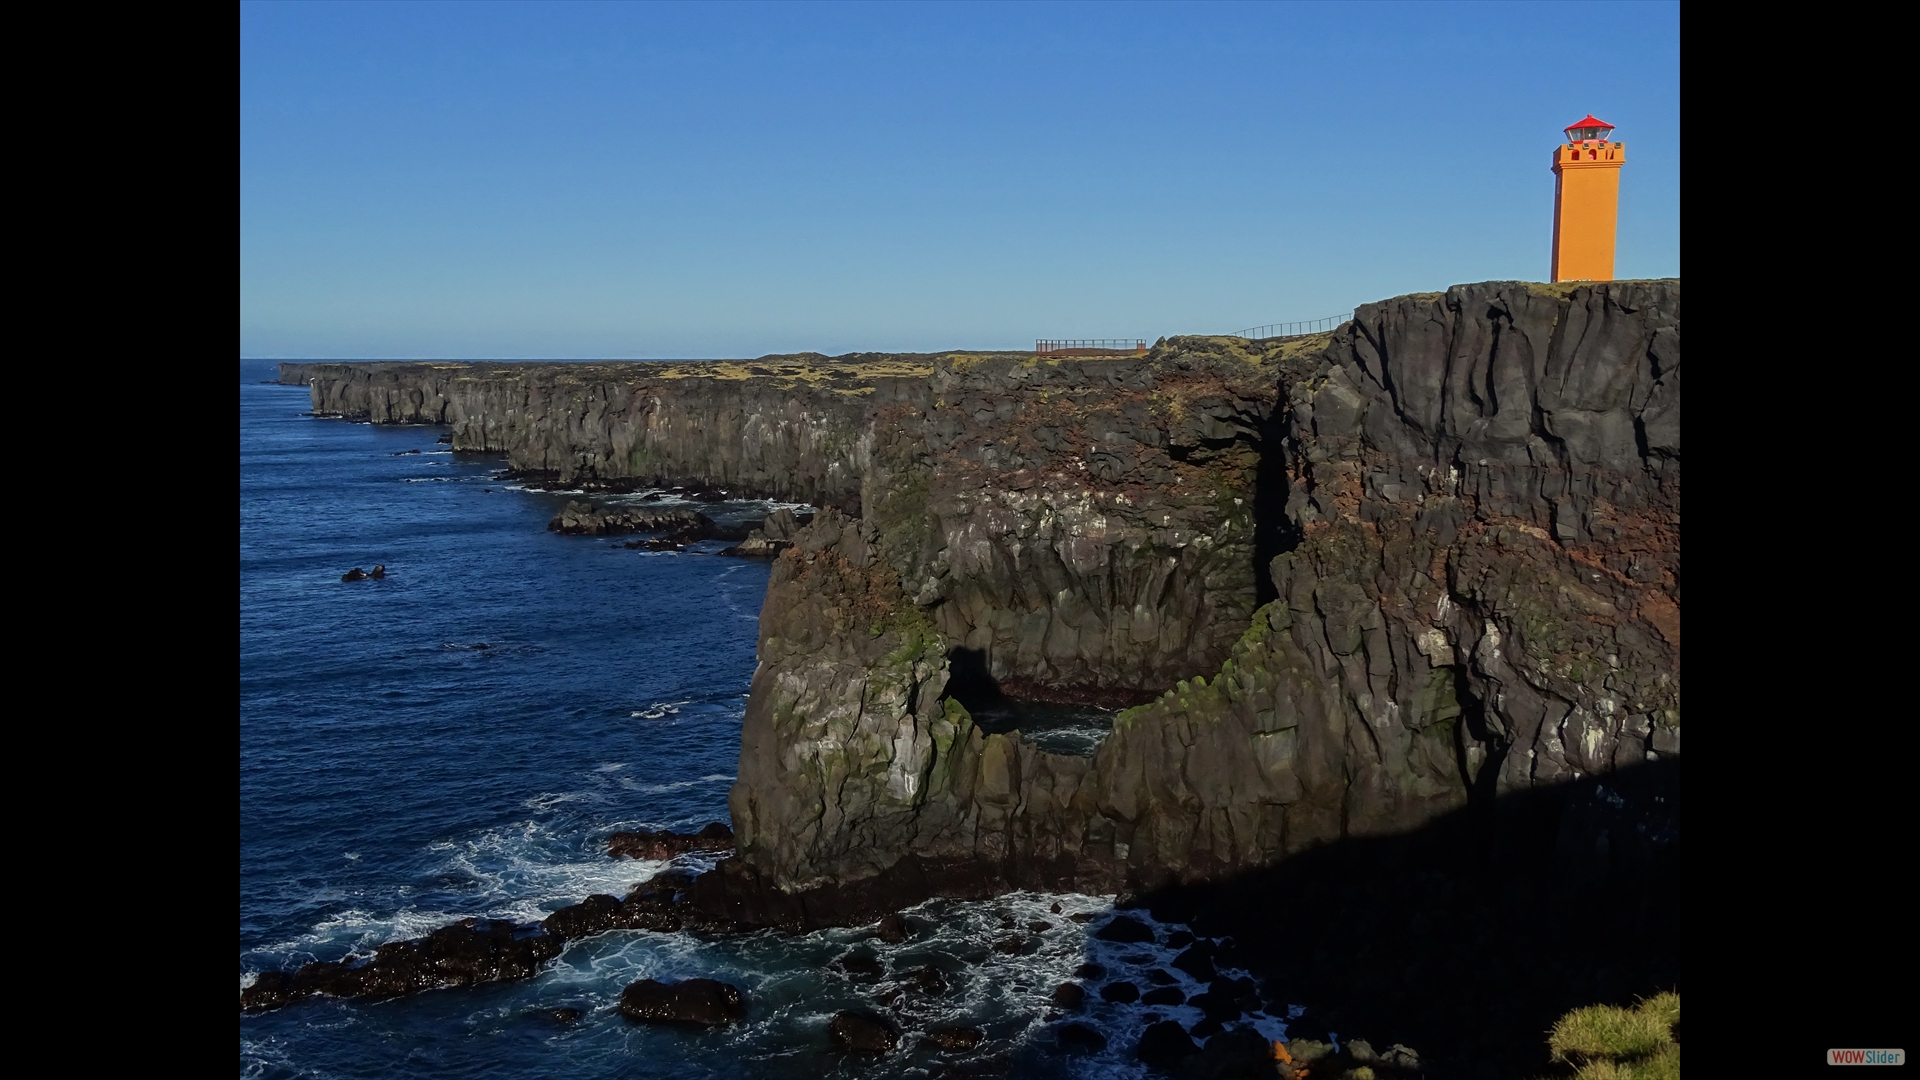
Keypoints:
pixel 1120 992
pixel 955 1039
pixel 1078 1038
pixel 893 929
pixel 1069 995
pixel 858 966
pixel 700 1002
pixel 926 979
pixel 862 1033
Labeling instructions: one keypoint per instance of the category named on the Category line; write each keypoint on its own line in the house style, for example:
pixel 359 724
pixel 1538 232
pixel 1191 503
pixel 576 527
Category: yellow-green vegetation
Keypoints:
pixel 1605 1042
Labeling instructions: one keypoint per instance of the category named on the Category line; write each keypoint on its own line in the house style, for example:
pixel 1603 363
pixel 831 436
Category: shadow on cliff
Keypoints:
pixel 1274 533
pixel 1467 938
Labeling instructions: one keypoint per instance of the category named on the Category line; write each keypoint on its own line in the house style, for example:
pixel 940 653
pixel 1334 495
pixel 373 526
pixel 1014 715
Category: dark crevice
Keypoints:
pixel 1273 532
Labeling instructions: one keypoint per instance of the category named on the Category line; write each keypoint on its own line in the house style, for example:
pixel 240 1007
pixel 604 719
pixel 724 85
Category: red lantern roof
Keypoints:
pixel 1591 121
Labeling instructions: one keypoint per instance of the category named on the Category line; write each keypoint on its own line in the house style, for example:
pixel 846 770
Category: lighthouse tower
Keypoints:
pixel 1586 201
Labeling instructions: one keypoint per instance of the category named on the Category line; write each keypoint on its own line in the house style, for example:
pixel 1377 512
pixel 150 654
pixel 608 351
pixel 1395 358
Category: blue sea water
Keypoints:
pixel 460 738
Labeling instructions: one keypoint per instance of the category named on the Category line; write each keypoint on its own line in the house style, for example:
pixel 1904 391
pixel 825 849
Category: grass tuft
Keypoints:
pixel 1606 1042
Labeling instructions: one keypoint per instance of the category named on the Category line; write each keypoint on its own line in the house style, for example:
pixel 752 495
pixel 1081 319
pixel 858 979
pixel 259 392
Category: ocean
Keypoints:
pixel 461 737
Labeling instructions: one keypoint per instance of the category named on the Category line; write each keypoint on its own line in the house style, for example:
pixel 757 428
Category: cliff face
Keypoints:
pixel 1080 531
pixel 792 429
pixel 1480 493
pixel 1429 558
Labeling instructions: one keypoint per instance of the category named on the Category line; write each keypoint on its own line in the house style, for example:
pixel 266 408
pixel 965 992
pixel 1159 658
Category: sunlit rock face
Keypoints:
pixel 1347 582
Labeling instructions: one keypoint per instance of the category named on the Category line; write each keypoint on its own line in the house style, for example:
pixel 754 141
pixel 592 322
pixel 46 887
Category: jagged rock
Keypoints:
pixel 862 1033
pixel 379 571
pixel 465 953
pixel 581 518
pixel 698 1002
pixel 596 914
pixel 893 929
pixel 664 844
pixel 355 574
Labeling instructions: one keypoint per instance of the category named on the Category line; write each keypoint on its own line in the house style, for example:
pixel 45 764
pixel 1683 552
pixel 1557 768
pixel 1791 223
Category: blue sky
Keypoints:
pixel 599 180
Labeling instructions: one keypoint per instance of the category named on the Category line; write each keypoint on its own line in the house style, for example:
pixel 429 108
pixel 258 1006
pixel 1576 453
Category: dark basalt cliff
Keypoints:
pixel 786 427
pixel 1360 580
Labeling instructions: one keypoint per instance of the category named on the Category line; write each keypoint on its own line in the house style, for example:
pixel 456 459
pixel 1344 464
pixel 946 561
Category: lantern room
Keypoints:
pixel 1591 129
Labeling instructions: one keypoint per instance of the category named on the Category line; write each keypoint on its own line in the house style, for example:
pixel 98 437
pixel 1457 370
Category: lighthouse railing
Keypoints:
pixel 1300 328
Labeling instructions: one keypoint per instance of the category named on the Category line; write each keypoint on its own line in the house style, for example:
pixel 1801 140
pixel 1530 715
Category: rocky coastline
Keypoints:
pixel 1395 608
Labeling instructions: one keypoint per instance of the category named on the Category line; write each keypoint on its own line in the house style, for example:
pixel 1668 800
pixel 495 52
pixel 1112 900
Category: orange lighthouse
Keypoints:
pixel 1586 201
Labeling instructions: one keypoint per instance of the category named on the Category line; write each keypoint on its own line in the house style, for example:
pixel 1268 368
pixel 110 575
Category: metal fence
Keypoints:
pixel 1092 347
pixel 1272 331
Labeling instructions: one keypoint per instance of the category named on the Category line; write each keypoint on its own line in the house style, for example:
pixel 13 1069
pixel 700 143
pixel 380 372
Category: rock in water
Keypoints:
pixel 1069 995
pixel 1079 1038
pixel 465 953
pixel 379 571
pixel 581 518
pixel 952 1039
pixel 1165 995
pixel 1121 992
pixel 1198 963
pixel 859 967
pixel 927 979
pixel 355 574
pixel 700 1002
pixel 892 929
pixel 1125 929
pixel 1164 1044
pixel 665 845
pixel 1232 1055
pixel 861 1033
